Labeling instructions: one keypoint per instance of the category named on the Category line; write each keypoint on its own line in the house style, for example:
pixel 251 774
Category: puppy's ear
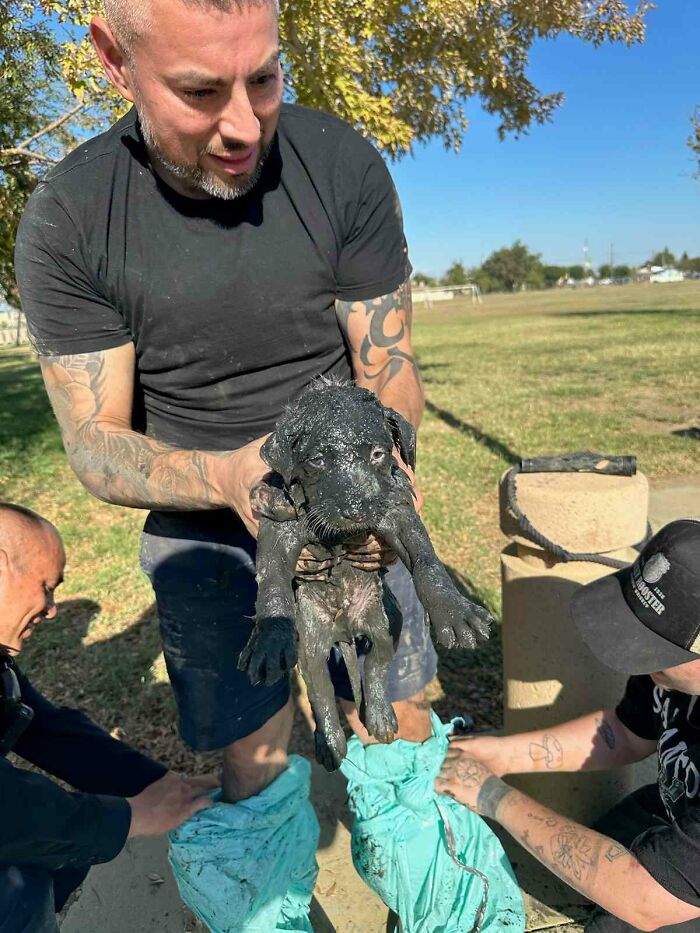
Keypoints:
pixel 277 454
pixel 403 435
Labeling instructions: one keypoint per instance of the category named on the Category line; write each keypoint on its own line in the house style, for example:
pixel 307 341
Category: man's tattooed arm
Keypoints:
pixel 378 334
pixel 595 865
pixel 92 395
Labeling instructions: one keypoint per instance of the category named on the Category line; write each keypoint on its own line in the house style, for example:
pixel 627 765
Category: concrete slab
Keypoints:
pixel 677 497
pixel 135 892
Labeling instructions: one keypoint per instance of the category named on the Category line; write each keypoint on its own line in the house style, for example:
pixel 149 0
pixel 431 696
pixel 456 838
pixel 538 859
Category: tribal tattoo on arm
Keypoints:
pixel 91 398
pixel 378 334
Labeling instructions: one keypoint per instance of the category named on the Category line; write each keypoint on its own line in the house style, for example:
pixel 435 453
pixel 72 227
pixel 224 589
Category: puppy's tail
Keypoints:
pixel 349 653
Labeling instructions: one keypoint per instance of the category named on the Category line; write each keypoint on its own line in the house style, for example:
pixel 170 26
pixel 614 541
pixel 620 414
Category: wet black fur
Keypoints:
pixel 336 479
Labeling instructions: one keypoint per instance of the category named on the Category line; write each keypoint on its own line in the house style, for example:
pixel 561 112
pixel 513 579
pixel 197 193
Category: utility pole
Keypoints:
pixel 586 260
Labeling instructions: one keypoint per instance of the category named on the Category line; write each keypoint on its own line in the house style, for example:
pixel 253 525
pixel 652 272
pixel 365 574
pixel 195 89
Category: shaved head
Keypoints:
pixel 19 528
pixel 130 19
pixel 31 568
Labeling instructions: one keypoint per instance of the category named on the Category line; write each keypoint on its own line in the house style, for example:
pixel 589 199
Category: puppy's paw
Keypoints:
pixel 380 719
pixel 330 750
pixel 458 622
pixel 271 651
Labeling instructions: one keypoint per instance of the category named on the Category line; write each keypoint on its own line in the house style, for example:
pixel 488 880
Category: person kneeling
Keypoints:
pixel 642 868
pixel 50 837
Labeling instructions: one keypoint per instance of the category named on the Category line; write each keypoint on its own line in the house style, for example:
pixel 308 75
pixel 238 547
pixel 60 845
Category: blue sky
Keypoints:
pixel 612 167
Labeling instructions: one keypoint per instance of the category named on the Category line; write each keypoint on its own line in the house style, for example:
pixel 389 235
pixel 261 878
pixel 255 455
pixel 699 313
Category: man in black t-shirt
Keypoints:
pixel 49 836
pixel 642 868
pixel 185 275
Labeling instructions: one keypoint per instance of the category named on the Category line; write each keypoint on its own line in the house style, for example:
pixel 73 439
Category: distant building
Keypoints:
pixel 666 275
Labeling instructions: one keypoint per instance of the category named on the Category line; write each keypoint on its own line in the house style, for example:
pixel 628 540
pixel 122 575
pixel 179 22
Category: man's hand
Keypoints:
pixel 369 553
pixel 168 802
pixel 240 474
pixel 366 552
pixel 417 494
pixel 493 751
pixel 462 777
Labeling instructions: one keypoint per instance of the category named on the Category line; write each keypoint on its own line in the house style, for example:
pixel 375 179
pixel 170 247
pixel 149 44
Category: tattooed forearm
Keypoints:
pixel 492 793
pixel 591 863
pixel 575 851
pixel 115 463
pixel 547 751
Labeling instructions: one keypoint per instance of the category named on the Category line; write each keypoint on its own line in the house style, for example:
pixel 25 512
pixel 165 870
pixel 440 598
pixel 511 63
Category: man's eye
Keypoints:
pixel 198 93
pixel 262 80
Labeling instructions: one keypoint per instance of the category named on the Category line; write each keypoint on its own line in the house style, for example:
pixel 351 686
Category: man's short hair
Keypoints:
pixel 129 19
pixel 17 523
pixel 21 510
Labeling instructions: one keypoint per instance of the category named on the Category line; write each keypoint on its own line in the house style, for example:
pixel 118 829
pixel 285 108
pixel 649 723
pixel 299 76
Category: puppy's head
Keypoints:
pixel 333 448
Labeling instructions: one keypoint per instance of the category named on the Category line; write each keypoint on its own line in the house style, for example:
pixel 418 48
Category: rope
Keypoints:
pixel 572 463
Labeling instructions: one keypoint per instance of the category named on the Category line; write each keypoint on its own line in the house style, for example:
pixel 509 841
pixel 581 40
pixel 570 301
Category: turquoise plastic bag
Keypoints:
pixel 434 862
pixel 250 867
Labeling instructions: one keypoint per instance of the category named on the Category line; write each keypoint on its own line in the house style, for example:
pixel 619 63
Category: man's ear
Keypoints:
pixel 403 435
pixel 112 56
pixel 277 454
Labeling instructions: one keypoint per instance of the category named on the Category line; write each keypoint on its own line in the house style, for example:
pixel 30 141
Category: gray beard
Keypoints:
pixel 193 176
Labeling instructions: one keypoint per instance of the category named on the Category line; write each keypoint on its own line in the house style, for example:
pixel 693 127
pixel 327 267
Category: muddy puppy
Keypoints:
pixel 336 478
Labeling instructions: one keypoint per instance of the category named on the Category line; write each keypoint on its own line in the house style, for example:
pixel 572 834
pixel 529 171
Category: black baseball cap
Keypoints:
pixel 646 617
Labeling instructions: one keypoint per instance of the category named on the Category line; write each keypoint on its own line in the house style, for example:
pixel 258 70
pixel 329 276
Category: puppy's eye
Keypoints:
pixel 377 455
pixel 316 463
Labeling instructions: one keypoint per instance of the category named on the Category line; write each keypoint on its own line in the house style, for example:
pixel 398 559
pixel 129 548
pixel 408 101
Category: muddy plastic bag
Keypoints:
pixel 431 860
pixel 250 867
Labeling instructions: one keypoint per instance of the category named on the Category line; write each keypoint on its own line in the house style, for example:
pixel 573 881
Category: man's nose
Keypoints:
pixel 238 122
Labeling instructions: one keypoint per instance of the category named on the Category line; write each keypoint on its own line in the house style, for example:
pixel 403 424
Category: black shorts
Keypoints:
pixel 202 567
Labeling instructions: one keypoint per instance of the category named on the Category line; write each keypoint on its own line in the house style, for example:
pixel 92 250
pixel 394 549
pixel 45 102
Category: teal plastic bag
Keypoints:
pixel 250 867
pixel 434 862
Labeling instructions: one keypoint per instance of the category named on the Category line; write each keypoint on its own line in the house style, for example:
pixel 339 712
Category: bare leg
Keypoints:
pixel 252 763
pixel 413 715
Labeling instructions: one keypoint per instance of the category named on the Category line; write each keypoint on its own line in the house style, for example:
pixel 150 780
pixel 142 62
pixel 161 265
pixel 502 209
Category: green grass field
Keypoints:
pixel 615 370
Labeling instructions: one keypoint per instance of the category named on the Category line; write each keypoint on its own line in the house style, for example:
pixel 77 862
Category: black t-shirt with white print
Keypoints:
pixel 670 852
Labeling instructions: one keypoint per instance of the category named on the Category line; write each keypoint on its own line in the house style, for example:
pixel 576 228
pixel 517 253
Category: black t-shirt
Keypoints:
pixel 230 304
pixel 670 853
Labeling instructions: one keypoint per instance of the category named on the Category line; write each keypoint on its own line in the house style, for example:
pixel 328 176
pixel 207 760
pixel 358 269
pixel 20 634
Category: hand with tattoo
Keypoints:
pixel 468 781
pixel 493 751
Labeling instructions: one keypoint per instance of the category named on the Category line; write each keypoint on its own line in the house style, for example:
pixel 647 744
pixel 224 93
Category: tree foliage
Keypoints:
pixel 403 70
pixel 400 70
pixel 40 116
pixel 694 140
pixel 510 269
pixel 663 258
pixel 456 274
pixel 421 279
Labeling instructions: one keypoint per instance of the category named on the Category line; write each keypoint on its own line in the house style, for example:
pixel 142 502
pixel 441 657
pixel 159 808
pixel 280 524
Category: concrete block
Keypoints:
pixel 582 512
pixel 551 676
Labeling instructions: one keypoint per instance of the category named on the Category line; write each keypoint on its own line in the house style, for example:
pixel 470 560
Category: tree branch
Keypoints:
pixel 25 154
pixel 53 126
